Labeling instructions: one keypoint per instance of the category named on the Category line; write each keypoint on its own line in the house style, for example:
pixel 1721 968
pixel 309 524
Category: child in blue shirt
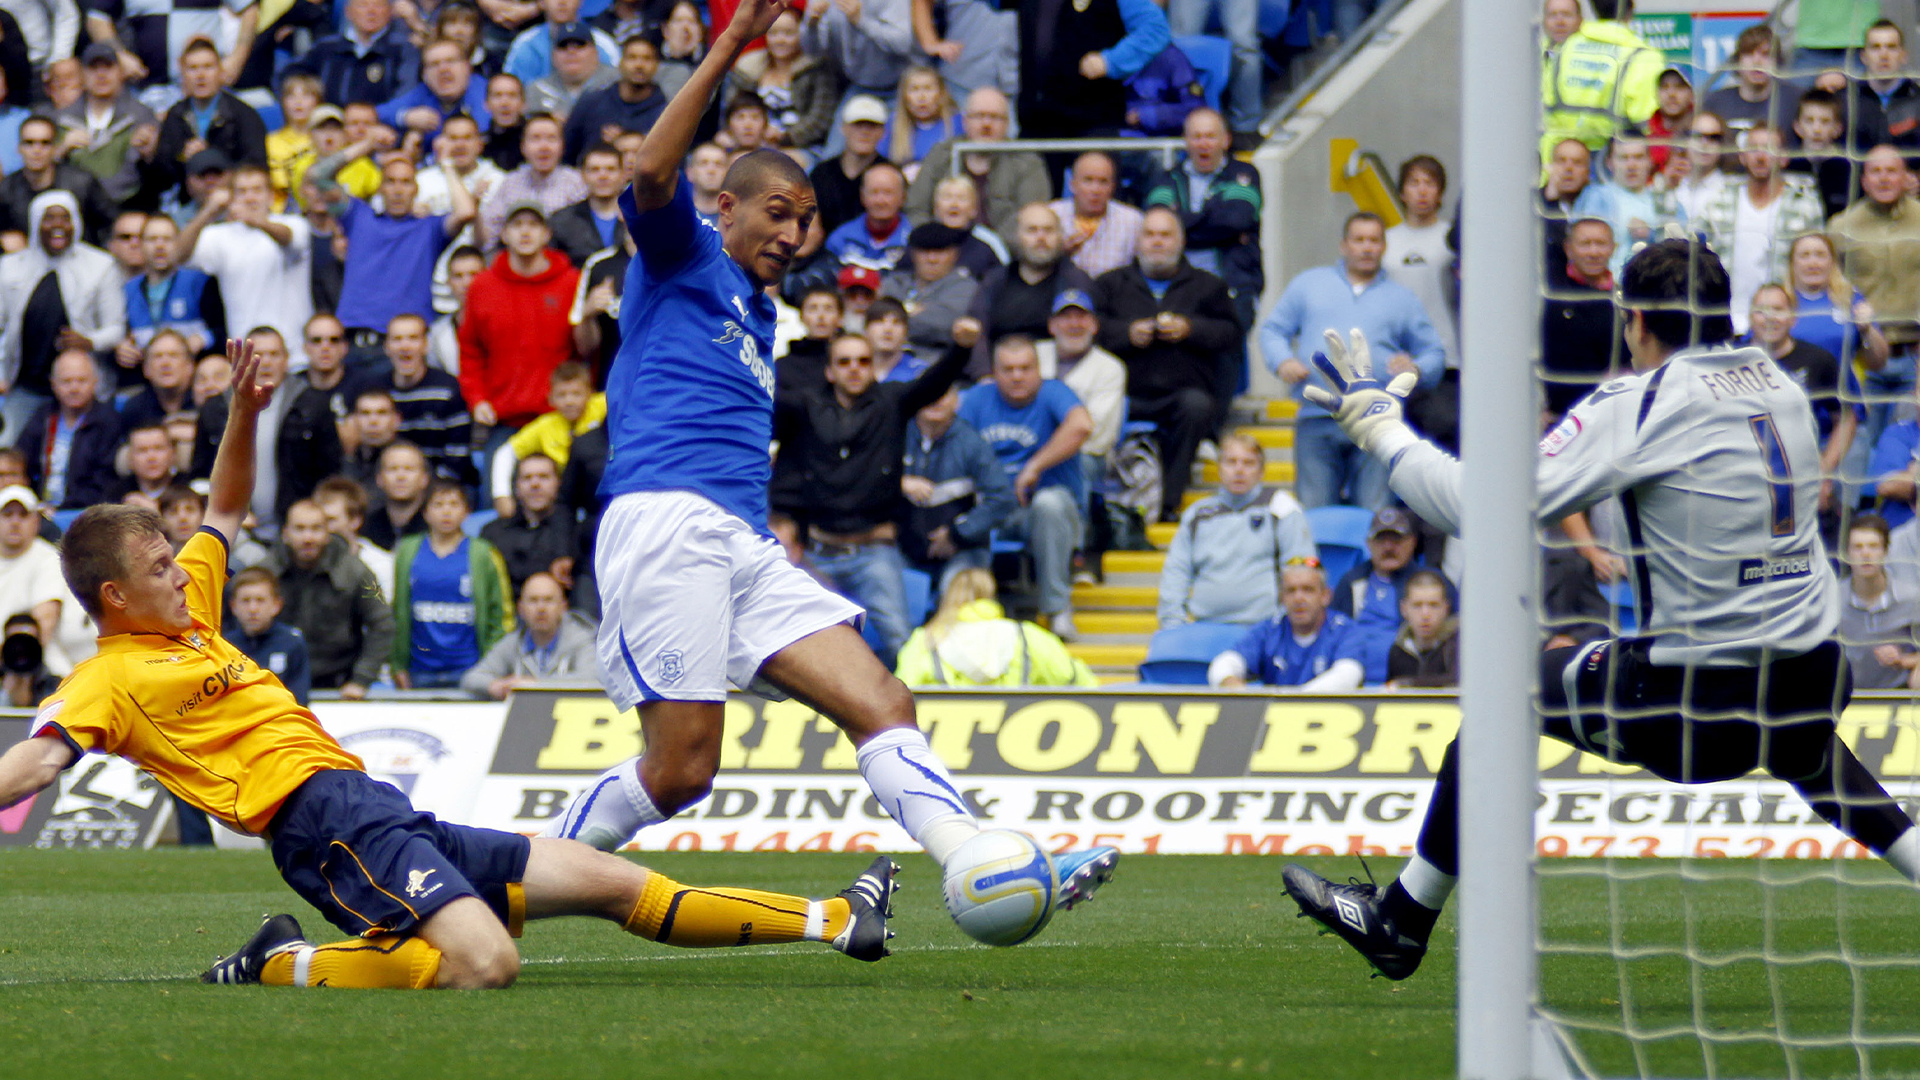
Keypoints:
pixel 450 595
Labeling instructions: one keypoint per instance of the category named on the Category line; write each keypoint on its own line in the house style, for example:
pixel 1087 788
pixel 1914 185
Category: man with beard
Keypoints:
pixel 1018 299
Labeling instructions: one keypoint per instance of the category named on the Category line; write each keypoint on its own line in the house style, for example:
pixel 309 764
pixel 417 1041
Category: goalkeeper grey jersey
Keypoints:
pixel 1716 460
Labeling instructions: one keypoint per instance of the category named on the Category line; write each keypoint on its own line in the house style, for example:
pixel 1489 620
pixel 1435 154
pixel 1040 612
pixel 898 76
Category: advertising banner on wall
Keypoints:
pixel 1146 772
pixel 101 802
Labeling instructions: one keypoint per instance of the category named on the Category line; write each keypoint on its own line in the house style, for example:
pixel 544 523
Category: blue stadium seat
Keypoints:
pixel 1179 655
pixel 920 598
pixel 478 520
pixel 1273 18
pixel 1340 532
pixel 63 519
pixel 1210 56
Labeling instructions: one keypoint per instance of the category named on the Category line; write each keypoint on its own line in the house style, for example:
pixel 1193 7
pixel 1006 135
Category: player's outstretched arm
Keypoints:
pixel 657 172
pixel 231 484
pixel 30 765
pixel 1371 413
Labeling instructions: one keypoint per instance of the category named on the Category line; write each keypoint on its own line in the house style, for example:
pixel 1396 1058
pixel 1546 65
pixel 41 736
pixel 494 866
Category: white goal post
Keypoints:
pixel 1499 420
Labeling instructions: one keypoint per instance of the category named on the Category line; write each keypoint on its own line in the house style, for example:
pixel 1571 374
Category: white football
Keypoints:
pixel 1000 887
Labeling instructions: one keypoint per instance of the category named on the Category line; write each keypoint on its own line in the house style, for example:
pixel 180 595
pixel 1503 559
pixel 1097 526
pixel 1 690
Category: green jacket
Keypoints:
pixel 492 596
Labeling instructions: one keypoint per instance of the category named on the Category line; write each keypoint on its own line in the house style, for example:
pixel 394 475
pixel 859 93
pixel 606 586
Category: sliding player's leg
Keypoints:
pixel 568 878
pixel 833 671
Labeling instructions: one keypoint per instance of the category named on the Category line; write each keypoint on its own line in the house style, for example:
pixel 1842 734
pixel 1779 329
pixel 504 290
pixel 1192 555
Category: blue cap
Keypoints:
pixel 574 30
pixel 1067 298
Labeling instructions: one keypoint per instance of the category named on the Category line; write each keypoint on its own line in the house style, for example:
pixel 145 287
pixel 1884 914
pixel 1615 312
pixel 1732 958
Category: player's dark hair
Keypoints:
pixel 1682 291
pixel 1346 227
pixel 94 549
pixel 257 575
pixel 1423 163
pixel 442 486
pixel 352 496
pixel 1874 522
pixel 1886 24
pixel 177 493
pixel 755 172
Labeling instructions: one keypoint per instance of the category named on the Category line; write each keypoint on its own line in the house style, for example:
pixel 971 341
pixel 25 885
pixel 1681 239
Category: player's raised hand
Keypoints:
pixel 1364 407
pixel 753 17
pixel 250 391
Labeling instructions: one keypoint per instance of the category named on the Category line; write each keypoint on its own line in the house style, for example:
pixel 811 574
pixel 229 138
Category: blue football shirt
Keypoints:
pixel 1016 434
pixel 1275 657
pixel 690 395
pixel 440 594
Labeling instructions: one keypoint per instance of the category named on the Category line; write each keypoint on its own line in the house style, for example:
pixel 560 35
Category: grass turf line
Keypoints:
pixel 1185 966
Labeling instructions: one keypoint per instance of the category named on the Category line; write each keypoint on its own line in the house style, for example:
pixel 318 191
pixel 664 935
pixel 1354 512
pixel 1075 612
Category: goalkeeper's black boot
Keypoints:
pixel 870 904
pixel 1353 911
pixel 277 934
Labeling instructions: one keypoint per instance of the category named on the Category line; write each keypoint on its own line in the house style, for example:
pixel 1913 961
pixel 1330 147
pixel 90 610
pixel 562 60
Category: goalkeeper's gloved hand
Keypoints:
pixel 1367 410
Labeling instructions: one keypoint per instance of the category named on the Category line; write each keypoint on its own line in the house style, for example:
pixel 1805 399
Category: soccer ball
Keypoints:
pixel 1000 887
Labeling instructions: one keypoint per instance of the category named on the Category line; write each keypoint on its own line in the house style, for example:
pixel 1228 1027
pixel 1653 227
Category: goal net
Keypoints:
pixel 1726 929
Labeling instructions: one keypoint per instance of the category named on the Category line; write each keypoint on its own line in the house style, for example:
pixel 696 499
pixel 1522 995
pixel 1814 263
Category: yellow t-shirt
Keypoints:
pixel 208 723
pixel 359 178
pixel 550 434
pixel 289 152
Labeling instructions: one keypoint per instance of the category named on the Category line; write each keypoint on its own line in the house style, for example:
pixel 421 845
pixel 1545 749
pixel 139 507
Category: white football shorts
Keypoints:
pixel 693 599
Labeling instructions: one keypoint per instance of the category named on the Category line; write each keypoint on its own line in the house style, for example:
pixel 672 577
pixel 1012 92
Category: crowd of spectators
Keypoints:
pixel 412 211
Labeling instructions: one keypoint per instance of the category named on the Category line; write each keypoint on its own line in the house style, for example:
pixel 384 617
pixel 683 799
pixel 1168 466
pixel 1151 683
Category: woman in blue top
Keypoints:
pixel 12 114
pixel 1820 291
pixel 923 116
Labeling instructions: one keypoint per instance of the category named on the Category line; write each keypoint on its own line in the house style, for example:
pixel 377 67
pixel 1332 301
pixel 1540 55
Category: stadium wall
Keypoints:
pixel 1398 96
pixel 1144 770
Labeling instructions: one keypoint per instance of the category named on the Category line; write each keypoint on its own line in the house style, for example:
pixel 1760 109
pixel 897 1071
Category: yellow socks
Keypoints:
pixel 379 963
pixel 691 918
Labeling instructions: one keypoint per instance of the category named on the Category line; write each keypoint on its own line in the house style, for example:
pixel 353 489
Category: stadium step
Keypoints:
pixel 1110 597
pixel 1108 656
pixel 1160 533
pixel 1282 409
pixel 1277 472
pixel 1133 562
pixel 1273 438
pixel 1103 623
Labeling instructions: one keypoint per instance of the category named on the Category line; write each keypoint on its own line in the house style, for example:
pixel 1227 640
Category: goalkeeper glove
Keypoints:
pixel 1367 410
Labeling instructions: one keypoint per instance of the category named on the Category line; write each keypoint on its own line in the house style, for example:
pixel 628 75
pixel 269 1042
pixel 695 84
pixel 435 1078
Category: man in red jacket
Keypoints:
pixel 516 329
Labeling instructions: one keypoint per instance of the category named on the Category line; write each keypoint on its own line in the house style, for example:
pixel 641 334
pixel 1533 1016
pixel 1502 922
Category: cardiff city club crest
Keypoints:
pixel 396 755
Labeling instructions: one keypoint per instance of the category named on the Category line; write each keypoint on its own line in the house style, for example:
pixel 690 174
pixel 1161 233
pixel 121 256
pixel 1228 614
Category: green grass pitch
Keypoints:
pixel 1184 966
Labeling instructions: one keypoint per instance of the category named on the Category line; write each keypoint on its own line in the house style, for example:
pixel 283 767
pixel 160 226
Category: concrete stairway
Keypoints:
pixel 1117 617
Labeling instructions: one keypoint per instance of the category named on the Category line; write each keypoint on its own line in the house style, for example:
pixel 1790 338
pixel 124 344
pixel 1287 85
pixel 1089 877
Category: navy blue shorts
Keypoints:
pixel 357 850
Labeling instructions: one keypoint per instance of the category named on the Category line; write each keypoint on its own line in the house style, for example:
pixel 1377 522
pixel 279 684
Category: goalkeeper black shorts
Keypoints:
pixel 1695 725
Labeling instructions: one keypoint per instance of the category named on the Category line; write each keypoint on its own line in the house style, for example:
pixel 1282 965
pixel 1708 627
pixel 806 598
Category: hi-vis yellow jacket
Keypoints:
pixel 1602 78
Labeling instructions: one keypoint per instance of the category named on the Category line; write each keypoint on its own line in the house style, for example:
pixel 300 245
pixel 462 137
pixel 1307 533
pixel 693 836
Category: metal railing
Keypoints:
pixel 1166 148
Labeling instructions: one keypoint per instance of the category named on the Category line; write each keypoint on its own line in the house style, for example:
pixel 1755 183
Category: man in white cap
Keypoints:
pixel 836 180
